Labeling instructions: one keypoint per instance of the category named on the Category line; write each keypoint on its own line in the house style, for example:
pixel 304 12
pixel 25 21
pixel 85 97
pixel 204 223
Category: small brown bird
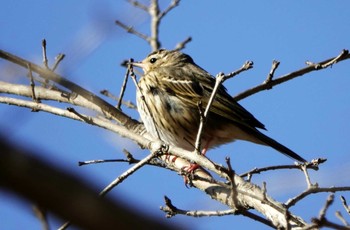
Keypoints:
pixel 168 97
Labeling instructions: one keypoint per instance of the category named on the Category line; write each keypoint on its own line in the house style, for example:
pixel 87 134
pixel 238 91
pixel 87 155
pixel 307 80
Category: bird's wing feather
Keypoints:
pixel 198 87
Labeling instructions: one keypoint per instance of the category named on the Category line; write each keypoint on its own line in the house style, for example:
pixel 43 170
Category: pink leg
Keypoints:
pixel 193 166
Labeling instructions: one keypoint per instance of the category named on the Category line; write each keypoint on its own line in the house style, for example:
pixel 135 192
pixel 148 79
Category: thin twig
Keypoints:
pixel 129 158
pixel 58 60
pixel 341 218
pixel 172 210
pixel 85 118
pixel 220 78
pixel 128 104
pixel 131 30
pixel 274 66
pixel 328 203
pixel 324 64
pixel 156 16
pixel 122 90
pixel 45 61
pixel 309 165
pixel 120 179
pixel 32 86
pixel 307 177
pixel 291 202
pixel 138 5
pixel 172 5
pixel 246 66
pixel 338 58
pixel 231 176
pixel 347 208
pixel 317 224
pixel 128 173
pixel 181 45
pixel 264 190
pixel 82 163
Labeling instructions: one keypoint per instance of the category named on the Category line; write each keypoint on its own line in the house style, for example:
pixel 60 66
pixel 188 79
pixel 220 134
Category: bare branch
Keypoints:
pixel 181 45
pixel 138 5
pixel 220 78
pixel 347 208
pixel 156 16
pixel 246 66
pixel 307 177
pixel 274 66
pixel 171 211
pixel 312 190
pixel 128 104
pixel 131 30
pixel 328 203
pixel 172 5
pixel 103 123
pixel 218 82
pixel 322 221
pixel 155 22
pixel 323 64
pixel 126 77
pixel 129 172
pixel 310 165
pixel 58 60
pixel 122 177
pixel 89 162
pixel 32 86
pixel 341 218
pixel 107 108
pixel 45 61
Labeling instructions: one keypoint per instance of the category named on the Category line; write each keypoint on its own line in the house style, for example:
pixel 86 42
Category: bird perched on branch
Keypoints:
pixel 168 98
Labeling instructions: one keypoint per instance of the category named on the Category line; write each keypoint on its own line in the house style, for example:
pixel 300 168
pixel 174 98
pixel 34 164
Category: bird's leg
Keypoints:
pixel 189 170
pixel 194 166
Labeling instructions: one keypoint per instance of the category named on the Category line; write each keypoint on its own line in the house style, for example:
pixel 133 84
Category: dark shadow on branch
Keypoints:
pixel 64 194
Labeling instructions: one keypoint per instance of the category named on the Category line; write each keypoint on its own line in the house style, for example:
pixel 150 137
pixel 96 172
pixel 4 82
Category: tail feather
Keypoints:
pixel 261 138
pixel 279 147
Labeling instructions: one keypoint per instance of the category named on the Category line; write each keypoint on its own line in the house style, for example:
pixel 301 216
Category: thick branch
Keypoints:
pixel 248 195
pixel 107 108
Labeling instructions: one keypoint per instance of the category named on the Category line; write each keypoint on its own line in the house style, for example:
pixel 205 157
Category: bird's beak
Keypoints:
pixel 141 65
pixel 138 64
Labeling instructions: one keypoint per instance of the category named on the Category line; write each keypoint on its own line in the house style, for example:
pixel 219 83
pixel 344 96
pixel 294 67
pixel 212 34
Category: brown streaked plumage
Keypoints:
pixel 172 86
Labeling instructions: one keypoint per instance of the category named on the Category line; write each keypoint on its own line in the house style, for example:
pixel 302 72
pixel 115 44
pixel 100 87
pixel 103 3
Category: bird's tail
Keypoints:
pixel 261 138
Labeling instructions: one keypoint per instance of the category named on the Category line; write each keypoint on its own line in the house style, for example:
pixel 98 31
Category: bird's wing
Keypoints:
pixel 198 87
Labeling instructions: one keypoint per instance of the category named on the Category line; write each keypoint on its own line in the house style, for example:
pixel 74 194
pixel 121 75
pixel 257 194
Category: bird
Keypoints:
pixel 168 97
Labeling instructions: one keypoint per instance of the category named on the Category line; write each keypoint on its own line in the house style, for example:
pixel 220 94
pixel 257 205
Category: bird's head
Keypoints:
pixel 163 58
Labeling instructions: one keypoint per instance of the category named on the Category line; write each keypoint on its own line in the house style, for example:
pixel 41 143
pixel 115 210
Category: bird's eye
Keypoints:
pixel 153 60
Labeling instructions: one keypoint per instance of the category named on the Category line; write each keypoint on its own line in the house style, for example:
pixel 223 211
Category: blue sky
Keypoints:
pixel 309 114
